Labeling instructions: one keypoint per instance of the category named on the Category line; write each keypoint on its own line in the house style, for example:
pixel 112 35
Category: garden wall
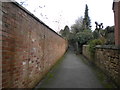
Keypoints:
pixel 29 47
pixel 107 58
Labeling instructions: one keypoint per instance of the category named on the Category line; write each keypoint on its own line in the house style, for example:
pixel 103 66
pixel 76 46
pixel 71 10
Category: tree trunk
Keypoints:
pixel 77 48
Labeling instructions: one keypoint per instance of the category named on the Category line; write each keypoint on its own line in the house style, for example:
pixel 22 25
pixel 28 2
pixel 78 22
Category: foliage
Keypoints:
pixel 82 24
pixel 80 38
pixel 65 33
pixel 98 31
pixel 86 20
pixel 109 35
pixel 109 29
pixel 84 37
pixel 99 26
pixel 80 32
pixel 92 45
pixel 78 26
pixel 110 39
pixel 96 34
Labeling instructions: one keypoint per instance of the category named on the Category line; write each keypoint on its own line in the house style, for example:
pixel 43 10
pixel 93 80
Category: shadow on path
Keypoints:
pixel 70 73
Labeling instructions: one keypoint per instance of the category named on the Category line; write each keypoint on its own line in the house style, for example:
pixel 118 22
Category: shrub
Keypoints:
pixel 92 45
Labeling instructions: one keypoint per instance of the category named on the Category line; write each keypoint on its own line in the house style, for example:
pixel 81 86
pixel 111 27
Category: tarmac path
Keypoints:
pixel 71 73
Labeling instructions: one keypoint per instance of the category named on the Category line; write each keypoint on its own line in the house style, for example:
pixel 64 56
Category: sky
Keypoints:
pixel 58 13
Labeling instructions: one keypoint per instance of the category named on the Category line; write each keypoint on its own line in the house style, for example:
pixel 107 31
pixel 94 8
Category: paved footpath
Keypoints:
pixel 71 73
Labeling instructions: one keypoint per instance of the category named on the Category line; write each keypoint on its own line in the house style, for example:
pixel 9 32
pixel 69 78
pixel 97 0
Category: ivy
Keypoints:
pixel 92 45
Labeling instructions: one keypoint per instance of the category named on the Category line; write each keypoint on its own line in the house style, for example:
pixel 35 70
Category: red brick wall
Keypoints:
pixel 117 22
pixel 29 47
pixel 0 45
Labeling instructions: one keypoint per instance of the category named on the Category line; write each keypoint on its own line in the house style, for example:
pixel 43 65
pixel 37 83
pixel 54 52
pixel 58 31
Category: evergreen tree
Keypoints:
pixel 65 32
pixel 86 20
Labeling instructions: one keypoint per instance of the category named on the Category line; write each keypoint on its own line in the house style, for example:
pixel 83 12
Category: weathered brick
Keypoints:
pixel 116 10
pixel 29 47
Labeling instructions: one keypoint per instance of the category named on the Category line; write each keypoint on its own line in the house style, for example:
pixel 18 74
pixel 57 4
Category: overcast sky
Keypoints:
pixel 58 13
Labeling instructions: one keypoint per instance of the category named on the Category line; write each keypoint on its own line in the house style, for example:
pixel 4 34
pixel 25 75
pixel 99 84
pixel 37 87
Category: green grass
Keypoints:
pixel 105 81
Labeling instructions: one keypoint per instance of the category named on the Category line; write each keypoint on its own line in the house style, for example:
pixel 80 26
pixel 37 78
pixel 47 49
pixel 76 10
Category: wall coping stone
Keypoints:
pixel 113 47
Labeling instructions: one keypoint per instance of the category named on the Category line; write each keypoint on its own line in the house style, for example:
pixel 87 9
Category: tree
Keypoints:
pixel 86 20
pixel 81 35
pixel 83 38
pixel 109 35
pixel 80 32
pixel 65 32
pixel 66 28
pixel 78 26
pixel 99 32
pixel 106 34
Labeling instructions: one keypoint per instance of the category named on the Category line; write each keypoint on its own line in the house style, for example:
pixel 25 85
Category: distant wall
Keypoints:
pixel 107 58
pixel 29 47
pixel 85 51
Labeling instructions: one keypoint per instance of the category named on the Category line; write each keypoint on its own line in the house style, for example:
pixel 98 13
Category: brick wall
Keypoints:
pixel 116 8
pixel 107 58
pixel 0 45
pixel 29 47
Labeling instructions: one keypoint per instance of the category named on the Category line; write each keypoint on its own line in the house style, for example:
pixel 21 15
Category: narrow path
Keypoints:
pixel 71 73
